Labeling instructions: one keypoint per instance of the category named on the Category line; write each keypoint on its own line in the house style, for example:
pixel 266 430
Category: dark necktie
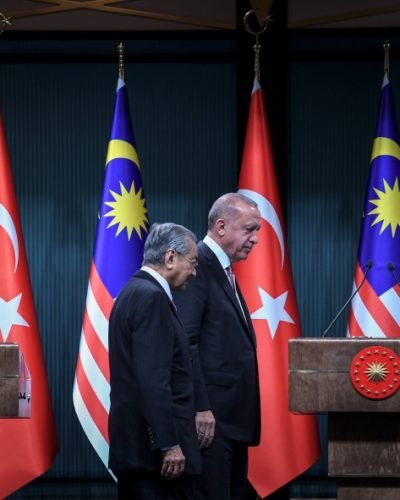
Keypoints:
pixel 232 281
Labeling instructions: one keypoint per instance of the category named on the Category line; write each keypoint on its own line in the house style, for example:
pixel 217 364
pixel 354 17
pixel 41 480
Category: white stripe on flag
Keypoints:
pixel 97 318
pixel 364 318
pixel 93 373
pixel 92 432
pixel 391 301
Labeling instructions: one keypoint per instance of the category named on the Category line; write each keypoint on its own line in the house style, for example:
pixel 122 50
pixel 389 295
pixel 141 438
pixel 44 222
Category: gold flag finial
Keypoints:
pixel 4 22
pixel 257 33
pixel 121 63
pixel 386 65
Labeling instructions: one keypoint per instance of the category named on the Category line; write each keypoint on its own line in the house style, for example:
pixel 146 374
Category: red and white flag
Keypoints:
pixel 375 308
pixel 122 229
pixel 27 445
pixel 289 443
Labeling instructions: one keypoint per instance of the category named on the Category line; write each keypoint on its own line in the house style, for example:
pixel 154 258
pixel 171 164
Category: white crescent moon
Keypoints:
pixel 7 223
pixel 269 214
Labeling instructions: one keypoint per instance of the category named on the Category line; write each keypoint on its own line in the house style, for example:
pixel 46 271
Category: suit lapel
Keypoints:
pixel 223 281
pixel 148 277
pixel 249 322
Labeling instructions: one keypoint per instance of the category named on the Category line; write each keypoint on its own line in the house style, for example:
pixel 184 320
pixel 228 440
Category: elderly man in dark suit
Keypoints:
pixel 153 439
pixel 224 350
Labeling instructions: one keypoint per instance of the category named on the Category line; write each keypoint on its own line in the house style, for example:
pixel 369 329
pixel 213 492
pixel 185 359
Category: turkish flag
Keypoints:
pixel 289 443
pixel 27 445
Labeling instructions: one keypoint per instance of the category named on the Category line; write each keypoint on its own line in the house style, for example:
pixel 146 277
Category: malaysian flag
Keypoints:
pixel 375 309
pixel 122 228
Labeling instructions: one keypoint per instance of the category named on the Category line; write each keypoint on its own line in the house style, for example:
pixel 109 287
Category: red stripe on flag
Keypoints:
pixel 92 402
pixel 378 310
pixel 96 347
pixel 101 293
pixel 358 275
pixel 354 327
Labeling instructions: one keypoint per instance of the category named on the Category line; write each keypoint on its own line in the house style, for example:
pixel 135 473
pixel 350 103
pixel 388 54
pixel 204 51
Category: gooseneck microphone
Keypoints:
pixel 368 266
pixel 392 269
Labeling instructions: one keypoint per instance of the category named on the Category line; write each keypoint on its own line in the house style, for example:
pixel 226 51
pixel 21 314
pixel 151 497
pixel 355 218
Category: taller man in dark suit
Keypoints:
pixel 223 348
pixel 153 438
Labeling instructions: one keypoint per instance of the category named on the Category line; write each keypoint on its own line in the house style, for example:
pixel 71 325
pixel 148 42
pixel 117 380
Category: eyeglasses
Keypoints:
pixel 193 262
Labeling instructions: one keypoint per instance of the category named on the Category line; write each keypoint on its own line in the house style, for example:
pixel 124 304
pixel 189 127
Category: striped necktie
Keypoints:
pixel 231 277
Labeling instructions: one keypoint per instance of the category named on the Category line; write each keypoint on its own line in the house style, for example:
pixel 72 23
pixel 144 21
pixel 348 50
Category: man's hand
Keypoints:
pixel 205 425
pixel 173 463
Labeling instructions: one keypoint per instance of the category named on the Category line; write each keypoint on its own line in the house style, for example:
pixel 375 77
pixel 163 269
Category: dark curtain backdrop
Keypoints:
pixel 183 100
pixel 58 119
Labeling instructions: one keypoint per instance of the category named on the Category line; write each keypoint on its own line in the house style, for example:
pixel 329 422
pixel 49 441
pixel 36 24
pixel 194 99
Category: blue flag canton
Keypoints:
pixel 123 223
pixel 380 236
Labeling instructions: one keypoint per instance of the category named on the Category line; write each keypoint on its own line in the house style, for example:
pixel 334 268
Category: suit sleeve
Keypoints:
pixel 192 305
pixel 152 357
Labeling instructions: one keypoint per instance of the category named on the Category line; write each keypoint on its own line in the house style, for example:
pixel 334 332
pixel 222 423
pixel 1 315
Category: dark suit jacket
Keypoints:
pixel 223 348
pixel 151 380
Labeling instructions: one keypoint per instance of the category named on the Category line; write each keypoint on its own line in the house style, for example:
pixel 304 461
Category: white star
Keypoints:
pixel 10 316
pixel 272 310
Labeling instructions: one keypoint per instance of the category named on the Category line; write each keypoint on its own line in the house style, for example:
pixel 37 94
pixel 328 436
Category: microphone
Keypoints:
pixel 368 266
pixel 392 269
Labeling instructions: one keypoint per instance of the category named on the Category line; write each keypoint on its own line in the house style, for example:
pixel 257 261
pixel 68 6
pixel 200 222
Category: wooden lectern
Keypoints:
pixel 15 383
pixel 363 434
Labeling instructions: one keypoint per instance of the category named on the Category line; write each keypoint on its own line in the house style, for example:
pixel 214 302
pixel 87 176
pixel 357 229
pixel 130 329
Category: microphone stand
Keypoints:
pixel 367 269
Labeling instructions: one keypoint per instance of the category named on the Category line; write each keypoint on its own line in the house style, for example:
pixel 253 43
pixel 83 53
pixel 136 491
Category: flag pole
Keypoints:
pixel 256 33
pixel 121 62
pixel 257 74
pixel 386 65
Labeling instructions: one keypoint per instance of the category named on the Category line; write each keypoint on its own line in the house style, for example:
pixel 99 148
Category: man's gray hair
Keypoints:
pixel 226 207
pixel 164 237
